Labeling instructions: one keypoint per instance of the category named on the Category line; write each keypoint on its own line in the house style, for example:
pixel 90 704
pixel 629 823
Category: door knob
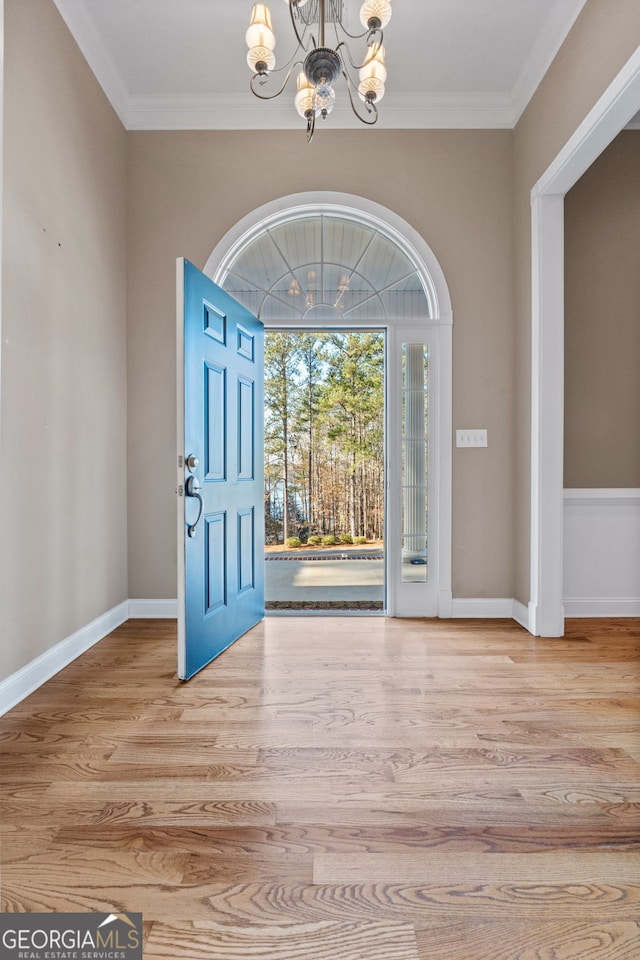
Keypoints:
pixel 191 462
pixel 192 489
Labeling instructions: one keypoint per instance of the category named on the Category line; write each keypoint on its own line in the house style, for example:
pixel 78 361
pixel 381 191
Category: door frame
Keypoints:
pixel 436 329
pixel 615 108
pixel 339 325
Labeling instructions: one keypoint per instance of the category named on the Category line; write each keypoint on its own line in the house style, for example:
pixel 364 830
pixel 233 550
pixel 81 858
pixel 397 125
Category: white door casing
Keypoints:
pixel 615 108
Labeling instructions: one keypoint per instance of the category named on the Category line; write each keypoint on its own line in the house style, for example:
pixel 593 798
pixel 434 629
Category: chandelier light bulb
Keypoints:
pixel 305 96
pixel 260 32
pixel 371 90
pixel 375 14
pixel 260 59
pixel 374 66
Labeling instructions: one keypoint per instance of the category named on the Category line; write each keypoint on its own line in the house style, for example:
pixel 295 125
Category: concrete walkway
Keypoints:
pixel 324 577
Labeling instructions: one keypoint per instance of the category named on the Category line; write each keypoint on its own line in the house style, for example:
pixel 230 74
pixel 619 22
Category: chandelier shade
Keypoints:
pixel 321 58
pixel 375 11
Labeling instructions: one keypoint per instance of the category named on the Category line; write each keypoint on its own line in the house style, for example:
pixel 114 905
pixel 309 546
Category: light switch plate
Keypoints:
pixel 471 438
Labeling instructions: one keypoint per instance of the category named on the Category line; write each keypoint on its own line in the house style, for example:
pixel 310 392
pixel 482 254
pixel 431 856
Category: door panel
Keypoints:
pixel 221 501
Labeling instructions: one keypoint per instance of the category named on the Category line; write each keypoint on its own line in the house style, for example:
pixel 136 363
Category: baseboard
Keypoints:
pixel 445 604
pixel 25 681
pixel 482 608
pixel 521 615
pixel 153 609
pixel 602 607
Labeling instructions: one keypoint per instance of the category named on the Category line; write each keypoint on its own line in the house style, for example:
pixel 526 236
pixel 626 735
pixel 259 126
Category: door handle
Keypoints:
pixel 192 489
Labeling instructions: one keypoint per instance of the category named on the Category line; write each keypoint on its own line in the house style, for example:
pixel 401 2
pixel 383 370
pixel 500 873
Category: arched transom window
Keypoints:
pixel 325 268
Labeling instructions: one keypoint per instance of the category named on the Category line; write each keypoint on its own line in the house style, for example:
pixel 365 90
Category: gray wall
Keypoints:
pixel 602 321
pixel 453 187
pixel 63 557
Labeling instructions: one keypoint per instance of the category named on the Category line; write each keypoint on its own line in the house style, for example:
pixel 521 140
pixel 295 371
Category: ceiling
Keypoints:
pixel 180 64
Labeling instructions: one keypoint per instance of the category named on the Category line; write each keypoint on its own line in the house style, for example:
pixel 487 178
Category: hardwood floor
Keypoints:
pixel 338 789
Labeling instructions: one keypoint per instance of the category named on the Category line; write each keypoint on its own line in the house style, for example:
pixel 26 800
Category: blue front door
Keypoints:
pixel 220 480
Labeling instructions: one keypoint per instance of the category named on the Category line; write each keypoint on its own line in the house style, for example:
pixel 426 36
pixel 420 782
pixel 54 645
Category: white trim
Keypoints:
pixel 602 607
pixel 547 261
pixel 83 30
pixel 602 496
pixel 615 108
pixel 521 615
pixel 482 608
pixel 22 683
pixel 554 32
pixel 240 112
pixel 445 599
pixel 438 327
pixel 153 609
pixel 612 112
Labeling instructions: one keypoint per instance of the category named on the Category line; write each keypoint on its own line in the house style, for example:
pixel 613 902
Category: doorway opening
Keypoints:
pixel 337 262
pixel 324 470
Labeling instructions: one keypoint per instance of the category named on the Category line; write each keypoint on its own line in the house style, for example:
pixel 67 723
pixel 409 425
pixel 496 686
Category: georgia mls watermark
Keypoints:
pixel 70 936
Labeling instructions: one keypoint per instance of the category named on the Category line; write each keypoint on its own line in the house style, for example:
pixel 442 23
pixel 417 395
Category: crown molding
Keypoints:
pixel 82 29
pixel 553 34
pixel 243 112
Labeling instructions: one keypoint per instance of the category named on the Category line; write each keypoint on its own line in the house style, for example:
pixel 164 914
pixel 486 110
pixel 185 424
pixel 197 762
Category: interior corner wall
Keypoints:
pixel 63 558
pixel 602 321
pixel 602 40
pixel 187 189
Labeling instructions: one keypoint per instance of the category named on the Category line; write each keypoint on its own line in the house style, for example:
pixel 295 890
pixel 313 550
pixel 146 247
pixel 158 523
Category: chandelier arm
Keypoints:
pixel 270 96
pixel 311 125
pixel 370 106
pixel 357 66
pixel 337 22
pixel 291 62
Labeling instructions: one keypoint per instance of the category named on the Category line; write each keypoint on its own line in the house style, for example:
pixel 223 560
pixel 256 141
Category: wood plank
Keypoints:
pixel 446 868
pixel 299 840
pixel 322 940
pixel 601 939
pixel 423 904
pixel 155 812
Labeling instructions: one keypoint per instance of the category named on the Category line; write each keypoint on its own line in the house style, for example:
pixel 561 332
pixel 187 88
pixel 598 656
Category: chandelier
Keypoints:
pixel 321 59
